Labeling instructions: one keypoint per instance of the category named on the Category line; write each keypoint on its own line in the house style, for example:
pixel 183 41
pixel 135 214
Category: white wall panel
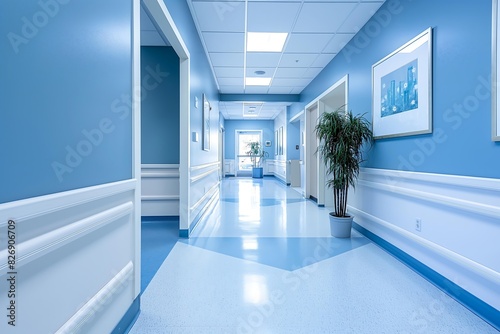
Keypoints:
pixel 204 186
pixel 460 223
pixel 160 190
pixel 69 246
pixel 278 168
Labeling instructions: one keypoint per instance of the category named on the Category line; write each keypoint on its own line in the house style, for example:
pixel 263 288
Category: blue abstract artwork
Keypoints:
pixel 399 90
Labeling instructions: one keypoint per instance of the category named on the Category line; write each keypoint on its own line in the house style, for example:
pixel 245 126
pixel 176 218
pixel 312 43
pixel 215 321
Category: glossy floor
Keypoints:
pixel 265 263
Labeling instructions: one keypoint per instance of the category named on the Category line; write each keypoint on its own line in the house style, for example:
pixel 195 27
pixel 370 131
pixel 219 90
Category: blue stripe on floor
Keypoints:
pixel 284 253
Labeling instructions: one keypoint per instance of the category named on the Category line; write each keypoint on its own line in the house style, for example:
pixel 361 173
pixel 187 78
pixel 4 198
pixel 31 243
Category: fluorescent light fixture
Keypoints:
pixel 266 41
pixel 253 81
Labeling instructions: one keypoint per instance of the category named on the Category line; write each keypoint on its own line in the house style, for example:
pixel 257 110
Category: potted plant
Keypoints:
pixel 257 156
pixel 342 136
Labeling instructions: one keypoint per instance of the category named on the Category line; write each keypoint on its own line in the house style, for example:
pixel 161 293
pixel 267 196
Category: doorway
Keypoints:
pixel 157 11
pixel 331 100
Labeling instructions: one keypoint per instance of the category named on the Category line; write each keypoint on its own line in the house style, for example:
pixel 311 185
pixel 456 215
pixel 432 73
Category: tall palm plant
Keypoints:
pixel 256 153
pixel 342 136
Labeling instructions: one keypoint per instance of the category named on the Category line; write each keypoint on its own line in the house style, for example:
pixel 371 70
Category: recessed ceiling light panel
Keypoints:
pixel 266 41
pixel 260 81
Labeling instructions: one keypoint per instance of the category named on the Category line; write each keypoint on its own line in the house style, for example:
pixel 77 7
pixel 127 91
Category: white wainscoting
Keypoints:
pixel 204 187
pixel 277 168
pixel 160 190
pixel 229 167
pixel 69 246
pixel 460 223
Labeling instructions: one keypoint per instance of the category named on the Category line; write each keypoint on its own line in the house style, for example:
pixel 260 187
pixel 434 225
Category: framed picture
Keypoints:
pixel 206 124
pixel 402 90
pixel 495 75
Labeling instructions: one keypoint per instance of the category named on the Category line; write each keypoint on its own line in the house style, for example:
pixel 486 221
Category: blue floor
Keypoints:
pixel 158 237
pixel 265 263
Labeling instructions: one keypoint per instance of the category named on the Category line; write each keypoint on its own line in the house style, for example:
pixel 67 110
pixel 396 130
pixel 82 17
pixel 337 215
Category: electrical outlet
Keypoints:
pixel 418 224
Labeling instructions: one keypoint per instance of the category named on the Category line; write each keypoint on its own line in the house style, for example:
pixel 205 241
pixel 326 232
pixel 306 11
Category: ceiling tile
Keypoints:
pixel 337 43
pixel 307 43
pixel 230 81
pixel 358 18
pixel 312 72
pixel 251 71
pixel 263 59
pixel 220 16
pixel 320 28
pixel 224 41
pixel 322 17
pixel 297 60
pixel 226 59
pixel 290 72
pixel 297 90
pixel 271 16
pixel 290 82
pixel 323 60
pixel 228 72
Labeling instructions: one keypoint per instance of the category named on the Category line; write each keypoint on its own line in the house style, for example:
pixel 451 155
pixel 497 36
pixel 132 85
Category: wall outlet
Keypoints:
pixel 418 224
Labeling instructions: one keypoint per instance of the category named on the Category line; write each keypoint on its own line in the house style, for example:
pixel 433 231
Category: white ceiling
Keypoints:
pixel 318 30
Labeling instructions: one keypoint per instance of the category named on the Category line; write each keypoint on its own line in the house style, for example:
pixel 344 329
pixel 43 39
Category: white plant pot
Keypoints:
pixel 340 227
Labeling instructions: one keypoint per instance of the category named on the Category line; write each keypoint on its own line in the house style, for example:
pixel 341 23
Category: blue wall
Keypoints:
pixel 460 143
pixel 160 106
pixel 231 126
pixel 202 82
pixel 65 119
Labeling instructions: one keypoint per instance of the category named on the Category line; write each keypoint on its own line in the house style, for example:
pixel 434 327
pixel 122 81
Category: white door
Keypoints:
pixel 311 155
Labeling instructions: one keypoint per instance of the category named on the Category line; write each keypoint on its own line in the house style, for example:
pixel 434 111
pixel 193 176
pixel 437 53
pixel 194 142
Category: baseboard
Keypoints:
pixel 127 322
pixel 474 304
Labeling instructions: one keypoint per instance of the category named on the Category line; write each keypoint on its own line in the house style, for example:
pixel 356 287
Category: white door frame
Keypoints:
pixel 159 14
pixel 323 191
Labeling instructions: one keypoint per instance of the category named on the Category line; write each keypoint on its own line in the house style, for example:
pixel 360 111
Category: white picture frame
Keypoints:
pixel 402 90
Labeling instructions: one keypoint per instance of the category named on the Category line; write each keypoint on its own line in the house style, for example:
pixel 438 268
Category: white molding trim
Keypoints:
pixel 451 180
pixel 201 176
pixel 160 190
pixel 203 198
pixel 34 248
pixel 473 207
pixel 462 261
pixel 203 166
pixel 38 206
pixel 97 303
pixel 160 198
pixel 161 166
pixel 160 171
pixel 168 175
